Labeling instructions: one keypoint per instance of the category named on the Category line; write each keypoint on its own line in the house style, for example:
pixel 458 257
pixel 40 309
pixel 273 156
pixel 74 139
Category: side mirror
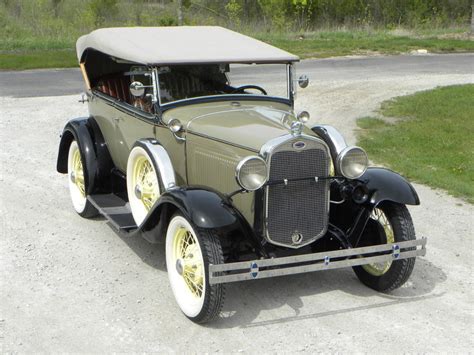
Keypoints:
pixel 303 81
pixel 137 89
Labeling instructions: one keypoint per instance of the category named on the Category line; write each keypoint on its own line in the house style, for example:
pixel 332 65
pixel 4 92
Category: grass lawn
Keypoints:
pixel 32 59
pixel 329 44
pixel 432 141
pixel 30 53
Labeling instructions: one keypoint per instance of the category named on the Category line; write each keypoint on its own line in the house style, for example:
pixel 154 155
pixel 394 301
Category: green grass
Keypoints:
pixel 328 44
pixel 26 52
pixel 431 141
pixel 54 58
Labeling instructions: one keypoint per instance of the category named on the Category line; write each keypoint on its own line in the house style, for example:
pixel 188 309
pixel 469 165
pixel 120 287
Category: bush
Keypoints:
pixel 38 22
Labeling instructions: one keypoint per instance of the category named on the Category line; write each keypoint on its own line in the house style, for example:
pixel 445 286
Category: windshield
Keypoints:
pixel 183 82
pixel 270 77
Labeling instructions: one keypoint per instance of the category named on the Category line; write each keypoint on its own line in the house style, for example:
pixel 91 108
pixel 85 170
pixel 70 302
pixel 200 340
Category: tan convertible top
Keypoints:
pixel 180 45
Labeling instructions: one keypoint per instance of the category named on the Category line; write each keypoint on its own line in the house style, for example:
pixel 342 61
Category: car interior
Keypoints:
pixel 176 83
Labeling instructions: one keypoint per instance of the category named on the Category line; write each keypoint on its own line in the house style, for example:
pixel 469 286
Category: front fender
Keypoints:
pixel 386 185
pixel 204 207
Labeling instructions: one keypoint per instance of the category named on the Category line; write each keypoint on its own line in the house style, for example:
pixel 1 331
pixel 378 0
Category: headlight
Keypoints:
pixel 251 173
pixel 352 162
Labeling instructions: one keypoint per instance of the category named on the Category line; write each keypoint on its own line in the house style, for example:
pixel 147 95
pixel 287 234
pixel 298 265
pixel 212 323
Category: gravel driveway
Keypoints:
pixel 74 285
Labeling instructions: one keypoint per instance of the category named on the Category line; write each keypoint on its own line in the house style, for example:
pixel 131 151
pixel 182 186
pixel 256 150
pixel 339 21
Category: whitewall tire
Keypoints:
pixel 77 183
pixel 189 252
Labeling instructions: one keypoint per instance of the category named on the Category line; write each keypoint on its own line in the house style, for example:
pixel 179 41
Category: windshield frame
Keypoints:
pixel 289 100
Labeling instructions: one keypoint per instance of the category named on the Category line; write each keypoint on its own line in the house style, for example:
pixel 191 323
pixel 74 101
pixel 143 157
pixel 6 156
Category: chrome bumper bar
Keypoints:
pixel 260 269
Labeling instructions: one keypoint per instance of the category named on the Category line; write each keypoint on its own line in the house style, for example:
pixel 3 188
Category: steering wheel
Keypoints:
pixel 245 87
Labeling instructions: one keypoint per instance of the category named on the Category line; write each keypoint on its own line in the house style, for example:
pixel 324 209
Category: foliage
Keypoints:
pixel 102 9
pixel 234 11
pixel 310 28
pixel 60 18
pixel 432 140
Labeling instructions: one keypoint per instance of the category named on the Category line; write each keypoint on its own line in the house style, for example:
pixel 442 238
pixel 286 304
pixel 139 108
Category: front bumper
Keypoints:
pixel 263 268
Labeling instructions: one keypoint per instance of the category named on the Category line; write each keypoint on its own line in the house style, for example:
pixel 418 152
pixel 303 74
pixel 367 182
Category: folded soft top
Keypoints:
pixel 180 45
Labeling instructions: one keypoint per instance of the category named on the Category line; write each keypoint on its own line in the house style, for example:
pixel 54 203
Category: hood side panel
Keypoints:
pixel 212 163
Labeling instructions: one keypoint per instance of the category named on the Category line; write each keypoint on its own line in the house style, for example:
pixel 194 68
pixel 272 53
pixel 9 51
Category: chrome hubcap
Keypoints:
pixel 179 266
pixel 138 191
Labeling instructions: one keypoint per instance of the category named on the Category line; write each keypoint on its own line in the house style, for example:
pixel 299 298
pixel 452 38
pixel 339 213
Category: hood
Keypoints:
pixel 249 125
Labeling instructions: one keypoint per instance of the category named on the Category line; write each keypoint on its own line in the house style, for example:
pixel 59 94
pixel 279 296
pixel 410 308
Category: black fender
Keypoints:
pixel 386 185
pixel 204 207
pixel 77 129
pixel 94 152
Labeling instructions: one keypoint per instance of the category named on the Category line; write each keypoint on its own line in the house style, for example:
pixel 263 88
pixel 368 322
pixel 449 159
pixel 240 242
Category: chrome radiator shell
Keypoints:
pixel 296 213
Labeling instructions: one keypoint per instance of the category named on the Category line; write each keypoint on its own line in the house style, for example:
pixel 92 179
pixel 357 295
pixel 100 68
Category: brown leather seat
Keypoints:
pixel 117 86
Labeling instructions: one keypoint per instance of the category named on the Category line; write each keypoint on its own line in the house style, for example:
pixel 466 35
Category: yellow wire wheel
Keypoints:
pixel 143 186
pixel 188 256
pixel 189 251
pixel 378 269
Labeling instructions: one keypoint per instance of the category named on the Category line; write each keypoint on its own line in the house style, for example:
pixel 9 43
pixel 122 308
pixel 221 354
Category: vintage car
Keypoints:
pixel 192 140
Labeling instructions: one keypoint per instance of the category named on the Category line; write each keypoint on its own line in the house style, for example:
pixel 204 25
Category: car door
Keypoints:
pixel 102 108
pixel 131 124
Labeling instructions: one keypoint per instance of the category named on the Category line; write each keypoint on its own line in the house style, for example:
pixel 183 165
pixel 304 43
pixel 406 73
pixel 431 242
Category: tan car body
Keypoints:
pixel 225 174
pixel 216 137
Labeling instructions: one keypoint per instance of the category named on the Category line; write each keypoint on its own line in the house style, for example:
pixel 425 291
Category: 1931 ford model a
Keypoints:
pixel 234 183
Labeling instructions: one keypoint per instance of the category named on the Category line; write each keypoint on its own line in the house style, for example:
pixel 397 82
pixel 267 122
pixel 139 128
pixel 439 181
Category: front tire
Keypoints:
pixel 77 183
pixel 390 223
pixel 189 251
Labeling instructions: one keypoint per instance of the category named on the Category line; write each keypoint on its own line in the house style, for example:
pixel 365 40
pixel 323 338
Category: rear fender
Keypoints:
pixel 77 130
pixel 94 152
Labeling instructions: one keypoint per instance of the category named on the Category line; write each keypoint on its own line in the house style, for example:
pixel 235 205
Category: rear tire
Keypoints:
pixel 390 223
pixel 77 183
pixel 189 251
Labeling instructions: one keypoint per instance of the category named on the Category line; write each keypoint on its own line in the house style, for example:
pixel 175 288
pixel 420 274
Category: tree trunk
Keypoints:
pixel 472 19
pixel 180 12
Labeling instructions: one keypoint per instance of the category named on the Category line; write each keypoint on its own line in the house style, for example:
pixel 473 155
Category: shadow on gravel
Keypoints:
pixel 151 254
pixel 339 311
pixel 245 300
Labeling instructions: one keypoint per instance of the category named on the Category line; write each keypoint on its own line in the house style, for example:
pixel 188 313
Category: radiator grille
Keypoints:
pixel 297 213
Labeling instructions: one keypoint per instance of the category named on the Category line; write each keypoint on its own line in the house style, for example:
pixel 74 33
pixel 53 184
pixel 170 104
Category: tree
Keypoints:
pixel 103 10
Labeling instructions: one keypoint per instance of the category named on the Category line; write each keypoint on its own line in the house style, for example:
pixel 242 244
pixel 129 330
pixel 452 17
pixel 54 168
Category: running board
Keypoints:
pixel 263 268
pixel 115 210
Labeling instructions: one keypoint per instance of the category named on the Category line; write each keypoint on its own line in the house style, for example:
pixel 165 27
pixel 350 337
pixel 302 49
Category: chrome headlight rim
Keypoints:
pixel 343 154
pixel 242 163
